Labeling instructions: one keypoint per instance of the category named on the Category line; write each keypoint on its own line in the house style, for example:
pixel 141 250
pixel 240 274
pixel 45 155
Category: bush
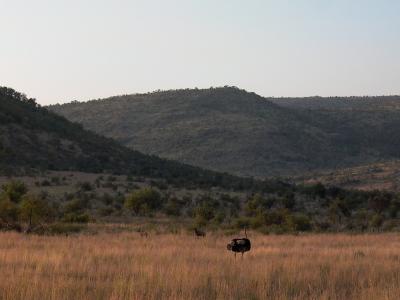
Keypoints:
pixel 242 222
pixel 8 211
pixel 288 201
pixel 85 186
pixel 14 191
pixel 143 201
pixel 55 180
pixel 45 183
pixel 34 210
pixel 376 220
pixel 106 211
pixel 172 207
pixel 205 211
pixel 277 229
pixel 279 217
pixel 301 222
pixel 379 202
pixel 76 218
pixel 64 228
pixel 75 205
pixel 257 221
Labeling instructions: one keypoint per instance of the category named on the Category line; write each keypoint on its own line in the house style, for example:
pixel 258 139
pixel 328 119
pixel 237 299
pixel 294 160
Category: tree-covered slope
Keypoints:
pixel 366 126
pixel 32 137
pixel 231 130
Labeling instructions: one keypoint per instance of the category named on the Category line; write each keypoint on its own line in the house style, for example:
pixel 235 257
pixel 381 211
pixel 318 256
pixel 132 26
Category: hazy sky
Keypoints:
pixel 58 51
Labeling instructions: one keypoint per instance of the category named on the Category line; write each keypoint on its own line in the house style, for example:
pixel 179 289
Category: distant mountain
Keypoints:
pixel 231 130
pixel 34 138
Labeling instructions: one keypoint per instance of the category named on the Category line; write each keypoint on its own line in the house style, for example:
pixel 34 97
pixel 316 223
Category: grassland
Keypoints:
pixel 125 265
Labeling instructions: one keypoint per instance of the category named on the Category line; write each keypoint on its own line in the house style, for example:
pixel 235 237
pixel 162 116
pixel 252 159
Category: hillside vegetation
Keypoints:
pixel 231 130
pixel 33 138
pixel 376 176
pixel 83 197
pixel 40 144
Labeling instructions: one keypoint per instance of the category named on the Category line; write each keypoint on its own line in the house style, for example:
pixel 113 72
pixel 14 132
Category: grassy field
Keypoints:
pixel 127 266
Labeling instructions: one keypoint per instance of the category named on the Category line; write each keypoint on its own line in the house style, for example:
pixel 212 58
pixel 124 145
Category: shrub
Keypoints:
pixel 257 221
pixel 143 201
pixel 279 217
pixel 277 229
pixel 45 183
pixel 205 211
pixel 376 220
pixel 301 222
pixel 106 211
pixel 76 218
pixel 379 202
pixel 288 201
pixel 34 210
pixel 8 211
pixel 242 222
pixel 219 217
pixel 85 186
pixel 172 207
pixel 14 190
pixel 55 180
pixel 75 205
pixel 111 178
pixel 64 228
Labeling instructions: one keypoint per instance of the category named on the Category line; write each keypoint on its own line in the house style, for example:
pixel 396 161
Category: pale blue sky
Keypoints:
pixel 58 51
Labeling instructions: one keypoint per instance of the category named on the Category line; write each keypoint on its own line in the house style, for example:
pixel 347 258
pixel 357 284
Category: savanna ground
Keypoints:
pixel 125 265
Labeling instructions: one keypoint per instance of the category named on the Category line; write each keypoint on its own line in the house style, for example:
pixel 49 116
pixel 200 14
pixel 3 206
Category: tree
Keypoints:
pixel 34 211
pixel 173 206
pixel 380 202
pixel 204 213
pixel 144 200
pixel 288 201
pixel 8 214
pixel 14 191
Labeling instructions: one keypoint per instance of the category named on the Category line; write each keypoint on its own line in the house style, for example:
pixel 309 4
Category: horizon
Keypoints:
pixel 98 49
pixel 209 88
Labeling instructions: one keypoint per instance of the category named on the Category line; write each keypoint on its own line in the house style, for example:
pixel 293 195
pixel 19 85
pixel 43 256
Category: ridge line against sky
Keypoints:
pixel 59 51
pixel 216 87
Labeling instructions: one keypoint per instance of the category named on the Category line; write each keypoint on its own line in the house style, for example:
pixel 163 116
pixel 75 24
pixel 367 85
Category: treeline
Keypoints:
pixel 277 209
pixel 30 213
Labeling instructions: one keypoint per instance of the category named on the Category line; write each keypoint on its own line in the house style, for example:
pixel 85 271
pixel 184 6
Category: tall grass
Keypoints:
pixel 126 266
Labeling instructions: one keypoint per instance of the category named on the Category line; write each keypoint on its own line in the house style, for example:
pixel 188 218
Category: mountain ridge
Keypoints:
pixel 34 138
pixel 228 129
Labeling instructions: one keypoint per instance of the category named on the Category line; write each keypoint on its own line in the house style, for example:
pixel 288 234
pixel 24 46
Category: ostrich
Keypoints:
pixel 241 245
pixel 199 232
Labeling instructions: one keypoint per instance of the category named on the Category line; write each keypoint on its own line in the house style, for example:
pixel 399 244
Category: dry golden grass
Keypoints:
pixel 126 266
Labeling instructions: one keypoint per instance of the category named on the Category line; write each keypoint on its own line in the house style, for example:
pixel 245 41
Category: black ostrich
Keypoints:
pixel 199 233
pixel 241 245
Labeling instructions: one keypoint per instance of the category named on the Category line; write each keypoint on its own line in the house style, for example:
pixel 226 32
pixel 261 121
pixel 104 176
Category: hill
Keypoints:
pixel 70 183
pixel 33 138
pixel 376 176
pixel 231 130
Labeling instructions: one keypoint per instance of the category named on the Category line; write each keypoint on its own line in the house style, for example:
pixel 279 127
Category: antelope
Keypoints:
pixel 144 234
pixel 199 232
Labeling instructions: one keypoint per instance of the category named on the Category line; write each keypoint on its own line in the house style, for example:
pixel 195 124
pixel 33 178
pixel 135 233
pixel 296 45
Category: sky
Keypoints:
pixel 62 50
